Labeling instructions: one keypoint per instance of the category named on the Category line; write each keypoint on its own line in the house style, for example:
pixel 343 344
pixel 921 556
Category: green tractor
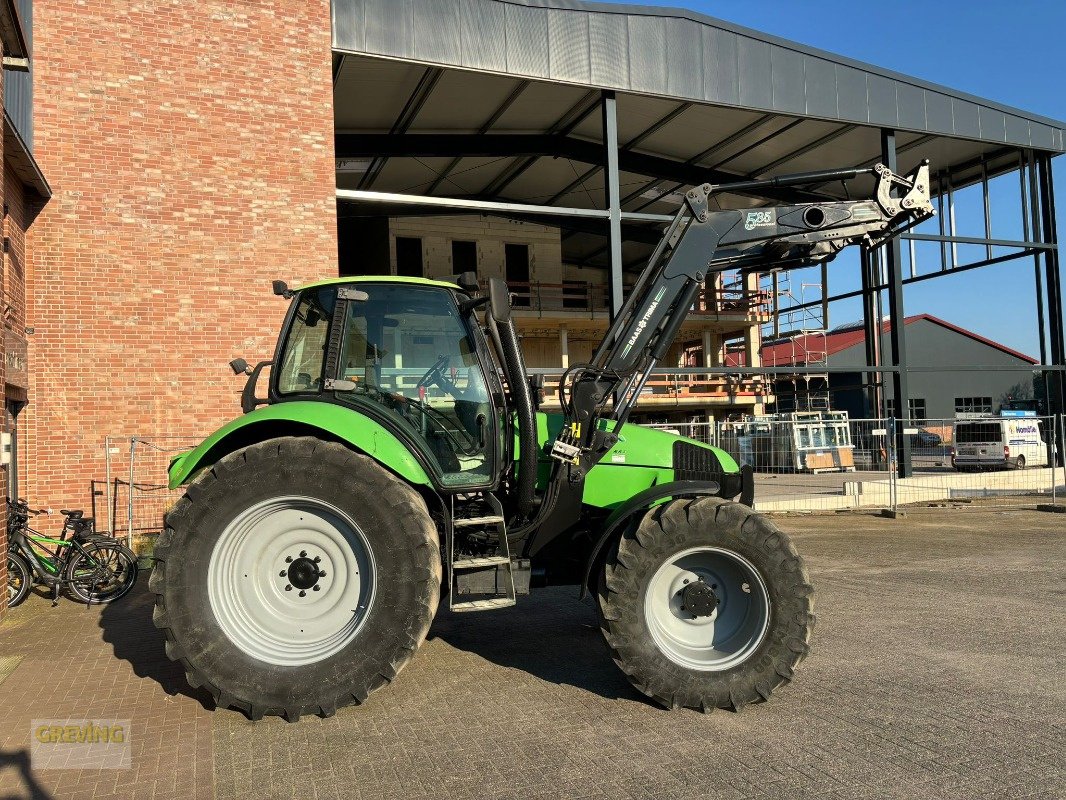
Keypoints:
pixel 400 460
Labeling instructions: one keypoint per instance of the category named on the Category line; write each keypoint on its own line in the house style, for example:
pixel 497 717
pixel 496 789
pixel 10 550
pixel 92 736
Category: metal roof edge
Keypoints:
pixel 12 32
pixel 706 19
pixel 21 156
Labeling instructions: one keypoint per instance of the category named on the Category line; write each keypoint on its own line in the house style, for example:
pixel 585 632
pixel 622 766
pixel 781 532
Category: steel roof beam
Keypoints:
pixel 562 126
pixel 414 104
pixel 533 146
pixel 486 126
pixel 655 127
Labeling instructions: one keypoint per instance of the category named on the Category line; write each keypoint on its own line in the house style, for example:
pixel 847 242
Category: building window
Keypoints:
pixel 915 404
pixel 464 257
pixel 409 257
pixel 516 264
pixel 973 405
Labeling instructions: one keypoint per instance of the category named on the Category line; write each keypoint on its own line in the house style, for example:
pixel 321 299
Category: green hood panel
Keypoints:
pixel 642 458
pixel 347 424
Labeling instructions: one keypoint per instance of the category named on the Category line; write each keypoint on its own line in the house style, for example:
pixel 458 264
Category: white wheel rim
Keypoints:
pixel 731 632
pixel 273 545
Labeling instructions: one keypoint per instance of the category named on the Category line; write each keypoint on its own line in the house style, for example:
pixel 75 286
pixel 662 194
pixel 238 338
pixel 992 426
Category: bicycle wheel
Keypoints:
pixel 101 572
pixel 19 579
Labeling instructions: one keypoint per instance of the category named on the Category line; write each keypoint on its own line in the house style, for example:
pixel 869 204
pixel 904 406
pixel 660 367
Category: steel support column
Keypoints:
pixel 897 336
pixel 871 332
pixel 1053 278
pixel 612 198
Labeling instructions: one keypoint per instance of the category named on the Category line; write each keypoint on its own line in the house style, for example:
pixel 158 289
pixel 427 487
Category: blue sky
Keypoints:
pixel 1007 52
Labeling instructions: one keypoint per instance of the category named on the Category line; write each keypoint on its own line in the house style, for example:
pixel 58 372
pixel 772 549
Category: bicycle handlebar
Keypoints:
pixel 22 505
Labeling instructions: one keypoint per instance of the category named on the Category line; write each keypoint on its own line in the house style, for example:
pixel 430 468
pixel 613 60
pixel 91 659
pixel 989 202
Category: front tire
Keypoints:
pixel 706 605
pixel 294 577
pixel 19 579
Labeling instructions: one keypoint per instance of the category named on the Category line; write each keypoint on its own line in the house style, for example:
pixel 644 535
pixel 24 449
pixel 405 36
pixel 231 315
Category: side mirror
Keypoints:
pixel 240 367
pixel 499 300
pixel 468 282
pixel 281 289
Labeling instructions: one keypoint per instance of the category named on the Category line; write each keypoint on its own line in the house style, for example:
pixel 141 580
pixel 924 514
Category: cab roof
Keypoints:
pixel 380 279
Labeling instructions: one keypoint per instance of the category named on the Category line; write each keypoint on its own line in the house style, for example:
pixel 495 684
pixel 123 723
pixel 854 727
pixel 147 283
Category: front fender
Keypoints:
pixel 640 503
pixel 303 418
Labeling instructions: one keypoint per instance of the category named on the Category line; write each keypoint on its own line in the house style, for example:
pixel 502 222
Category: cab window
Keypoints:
pixel 408 351
pixel 304 355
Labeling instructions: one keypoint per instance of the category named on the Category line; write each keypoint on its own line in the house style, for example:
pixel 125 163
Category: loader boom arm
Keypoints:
pixel 700 242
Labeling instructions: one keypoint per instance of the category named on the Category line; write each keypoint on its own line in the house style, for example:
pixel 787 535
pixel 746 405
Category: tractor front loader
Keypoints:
pixel 400 458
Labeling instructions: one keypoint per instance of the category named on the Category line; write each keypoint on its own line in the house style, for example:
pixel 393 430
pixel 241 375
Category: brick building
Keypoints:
pixel 195 152
pixel 25 192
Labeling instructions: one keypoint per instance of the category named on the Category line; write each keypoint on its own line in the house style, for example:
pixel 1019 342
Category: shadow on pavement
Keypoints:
pixel 127 627
pixel 550 634
pixel 31 790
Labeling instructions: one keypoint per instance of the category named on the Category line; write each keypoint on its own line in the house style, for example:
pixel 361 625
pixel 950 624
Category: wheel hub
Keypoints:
pixel 699 599
pixel 707 608
pixel 303 572
pixel 291 580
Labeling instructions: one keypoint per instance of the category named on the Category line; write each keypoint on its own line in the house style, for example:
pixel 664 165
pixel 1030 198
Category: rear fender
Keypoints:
pixel 303 418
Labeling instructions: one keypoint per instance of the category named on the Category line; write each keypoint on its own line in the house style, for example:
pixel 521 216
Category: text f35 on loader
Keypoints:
pixel 400 452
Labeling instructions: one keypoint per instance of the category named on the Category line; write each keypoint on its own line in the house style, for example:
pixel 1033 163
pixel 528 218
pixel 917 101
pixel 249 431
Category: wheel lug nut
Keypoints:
pixel 281 574
pixel 317 588
pixel 288 587
pixel 288 559
pixel 317 559
pixel 321 574
pixel 303 593
pixel 303 554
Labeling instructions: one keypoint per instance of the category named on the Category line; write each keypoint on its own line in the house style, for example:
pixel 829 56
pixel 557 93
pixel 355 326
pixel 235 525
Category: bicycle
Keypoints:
pixel 93 567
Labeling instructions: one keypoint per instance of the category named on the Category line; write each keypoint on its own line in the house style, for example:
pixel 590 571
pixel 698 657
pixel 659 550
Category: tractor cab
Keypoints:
pixel 405 354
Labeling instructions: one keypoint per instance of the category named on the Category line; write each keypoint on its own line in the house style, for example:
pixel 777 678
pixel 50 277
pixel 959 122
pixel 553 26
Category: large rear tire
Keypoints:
pixel 294 577
pixel 706 605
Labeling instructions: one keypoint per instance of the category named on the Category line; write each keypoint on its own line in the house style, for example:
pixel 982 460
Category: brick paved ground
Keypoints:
pixel 934 673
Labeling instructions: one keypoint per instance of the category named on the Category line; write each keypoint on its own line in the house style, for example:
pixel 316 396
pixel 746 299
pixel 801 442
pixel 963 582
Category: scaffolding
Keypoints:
pixel 797 330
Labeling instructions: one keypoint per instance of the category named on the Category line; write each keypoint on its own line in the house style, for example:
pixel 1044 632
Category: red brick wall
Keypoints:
pixel 189 147
pixel 3 360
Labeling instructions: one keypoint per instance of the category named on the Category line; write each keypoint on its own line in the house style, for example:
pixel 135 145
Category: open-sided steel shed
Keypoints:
pixel 594 115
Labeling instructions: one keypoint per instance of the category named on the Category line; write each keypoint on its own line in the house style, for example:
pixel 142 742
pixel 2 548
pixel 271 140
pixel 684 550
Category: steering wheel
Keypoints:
pixel 435 376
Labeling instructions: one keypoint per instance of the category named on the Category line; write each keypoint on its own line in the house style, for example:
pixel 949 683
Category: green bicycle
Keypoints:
pixel 92 567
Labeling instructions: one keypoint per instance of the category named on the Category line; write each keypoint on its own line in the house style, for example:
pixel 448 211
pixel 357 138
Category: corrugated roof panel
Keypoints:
pixel 385 30
pixel 349 25
pixel 568 46
pixel 608 36
pixel 993 124
pixel 820 87
pixel 852 98
pixel 1043 136
pixel 484 34
pixel 654 50
pixel 1017 130
pixel 790 89
pixel 966 118
pixel 720 77
pixel 684 53
pixel 910 106
pixel 443 20
pixel 647 54
pixel 938 112
pixel 527 40
pixel 756 73
pixel 881 95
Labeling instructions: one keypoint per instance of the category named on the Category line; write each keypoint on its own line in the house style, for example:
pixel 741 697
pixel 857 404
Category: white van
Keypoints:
pixel 998 443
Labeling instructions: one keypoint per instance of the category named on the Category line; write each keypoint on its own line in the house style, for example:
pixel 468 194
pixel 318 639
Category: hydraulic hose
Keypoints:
pixel 518 382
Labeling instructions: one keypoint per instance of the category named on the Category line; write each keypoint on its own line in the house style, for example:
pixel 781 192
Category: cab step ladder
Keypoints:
pixel 501 559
